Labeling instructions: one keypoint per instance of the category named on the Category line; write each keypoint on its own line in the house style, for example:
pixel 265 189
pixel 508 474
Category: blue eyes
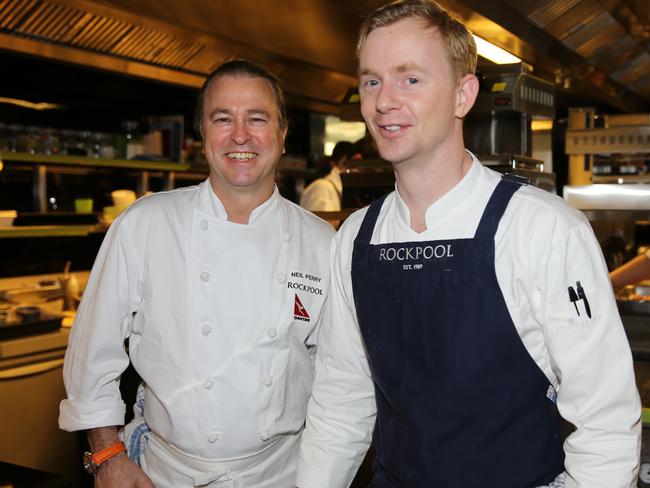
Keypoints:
pixel 407 81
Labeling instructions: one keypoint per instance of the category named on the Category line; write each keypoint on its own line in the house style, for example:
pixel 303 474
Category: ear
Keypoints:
pixel 466 95
pixel 284 138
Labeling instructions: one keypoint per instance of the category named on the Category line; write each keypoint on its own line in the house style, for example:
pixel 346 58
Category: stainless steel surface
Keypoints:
pixel 595 215
pixel 596 46
pixel 500 121
pixel 529 168
pixel 29 404
pixel 512 87
pixel 628 140
pixel 23 346
pixel 634 300
pixel 33 292
pixel 612 197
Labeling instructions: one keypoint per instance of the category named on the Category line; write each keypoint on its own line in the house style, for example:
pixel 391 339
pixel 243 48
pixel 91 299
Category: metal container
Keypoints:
pixel 634 300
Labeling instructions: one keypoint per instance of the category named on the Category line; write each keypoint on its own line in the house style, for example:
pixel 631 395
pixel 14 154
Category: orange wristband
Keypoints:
pixel 92 461
pixel 105 454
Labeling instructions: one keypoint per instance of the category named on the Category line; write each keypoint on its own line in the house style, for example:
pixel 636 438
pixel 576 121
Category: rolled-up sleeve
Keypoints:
pixel 96 356
pixel 591 358
pixel 341 412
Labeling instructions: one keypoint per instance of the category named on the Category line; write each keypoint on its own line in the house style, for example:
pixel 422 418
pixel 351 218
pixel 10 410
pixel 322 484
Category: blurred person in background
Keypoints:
pixel 325 194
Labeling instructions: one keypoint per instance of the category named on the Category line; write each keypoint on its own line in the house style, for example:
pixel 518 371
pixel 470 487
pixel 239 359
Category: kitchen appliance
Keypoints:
pixel 498 129
pixel 31 388
pixel 26 320
pixel 530 168
pixel 508 99
pixel 634 300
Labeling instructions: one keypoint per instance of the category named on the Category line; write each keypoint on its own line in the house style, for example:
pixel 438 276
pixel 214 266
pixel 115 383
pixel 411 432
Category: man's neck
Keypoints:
pixel 422 182
pixel 239 205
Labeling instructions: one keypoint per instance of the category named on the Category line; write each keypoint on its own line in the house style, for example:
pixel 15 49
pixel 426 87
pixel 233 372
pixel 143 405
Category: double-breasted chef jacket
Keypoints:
pixel 220 318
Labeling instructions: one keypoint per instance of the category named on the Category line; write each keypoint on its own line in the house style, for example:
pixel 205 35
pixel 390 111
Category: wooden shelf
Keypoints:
pixel 94 162
pixel 8 232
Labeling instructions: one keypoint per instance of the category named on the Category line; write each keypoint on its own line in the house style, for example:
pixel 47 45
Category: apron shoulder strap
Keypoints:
pixel 368 225
pixel 509 184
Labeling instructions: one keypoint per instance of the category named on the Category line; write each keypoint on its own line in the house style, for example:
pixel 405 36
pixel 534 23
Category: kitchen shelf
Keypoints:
pixel 42 163
pixel 620 140
pixel 93 162
pixel 617 215
pixel 9 232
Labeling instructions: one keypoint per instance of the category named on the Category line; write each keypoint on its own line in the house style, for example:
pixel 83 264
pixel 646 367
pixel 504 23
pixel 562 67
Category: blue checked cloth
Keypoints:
pixel 136 434
pixel 557 483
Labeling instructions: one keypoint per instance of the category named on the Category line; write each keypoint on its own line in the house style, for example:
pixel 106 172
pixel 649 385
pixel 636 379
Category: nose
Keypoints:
pixel 240 133
pixel 387 99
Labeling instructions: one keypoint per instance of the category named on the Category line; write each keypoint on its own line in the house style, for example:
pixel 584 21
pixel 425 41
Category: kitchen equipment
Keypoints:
pixel 31 388
pixel 501 120
pixel 634 300
pixel 25 321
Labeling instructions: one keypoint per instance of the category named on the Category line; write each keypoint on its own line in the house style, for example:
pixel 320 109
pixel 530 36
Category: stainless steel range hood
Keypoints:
pixel 598 49
pixel 112 39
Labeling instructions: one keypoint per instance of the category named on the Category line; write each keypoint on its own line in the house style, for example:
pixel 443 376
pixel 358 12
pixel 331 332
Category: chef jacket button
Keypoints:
pixel 272 333
pixel 205 276
pixel 206 329
pixel 213 437
pixel 207 384
pixel 268 381
pixel 282 277
pixel 204 224
pixel 286 237
pixel 264 435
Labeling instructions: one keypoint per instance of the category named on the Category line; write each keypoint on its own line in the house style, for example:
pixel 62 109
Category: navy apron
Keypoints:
pixel 460 402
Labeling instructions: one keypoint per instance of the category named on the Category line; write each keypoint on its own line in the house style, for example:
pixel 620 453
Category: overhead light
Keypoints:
pixel 31 105
pixel 539 125
pixel 494 53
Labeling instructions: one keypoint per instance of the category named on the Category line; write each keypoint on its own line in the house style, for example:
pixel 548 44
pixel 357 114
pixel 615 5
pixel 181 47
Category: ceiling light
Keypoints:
pixel 494 53
pixel 541 125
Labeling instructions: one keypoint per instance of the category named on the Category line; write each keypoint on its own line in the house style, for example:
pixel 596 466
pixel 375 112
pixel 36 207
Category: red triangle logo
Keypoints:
pixel 299 310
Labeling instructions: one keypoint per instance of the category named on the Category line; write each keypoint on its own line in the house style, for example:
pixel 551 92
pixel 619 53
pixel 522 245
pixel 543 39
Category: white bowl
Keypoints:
pixel 122 199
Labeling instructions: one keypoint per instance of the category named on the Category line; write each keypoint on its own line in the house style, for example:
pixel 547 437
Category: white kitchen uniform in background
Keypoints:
pixel 324 194
pixel 220 319
pixel 550 246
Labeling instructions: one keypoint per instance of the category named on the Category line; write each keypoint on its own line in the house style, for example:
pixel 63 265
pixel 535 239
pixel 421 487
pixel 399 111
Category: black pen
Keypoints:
pixel 583 297
pixel 574 298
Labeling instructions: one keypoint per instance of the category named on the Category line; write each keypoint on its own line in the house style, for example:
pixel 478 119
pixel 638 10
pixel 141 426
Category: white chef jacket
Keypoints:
pixel 323 194
pixel 220 319
pixel 543 246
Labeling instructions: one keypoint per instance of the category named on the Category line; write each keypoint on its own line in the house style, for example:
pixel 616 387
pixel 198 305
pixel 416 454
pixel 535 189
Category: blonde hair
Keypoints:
pixel 458 40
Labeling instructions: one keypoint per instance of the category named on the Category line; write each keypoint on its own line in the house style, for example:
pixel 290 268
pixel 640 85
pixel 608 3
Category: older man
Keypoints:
pixel 218 289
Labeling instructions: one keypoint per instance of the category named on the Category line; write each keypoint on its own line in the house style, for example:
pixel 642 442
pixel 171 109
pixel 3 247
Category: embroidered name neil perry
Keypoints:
pixel 416 252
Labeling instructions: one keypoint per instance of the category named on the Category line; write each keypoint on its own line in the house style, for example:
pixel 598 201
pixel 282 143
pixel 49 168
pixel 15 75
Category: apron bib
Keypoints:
pixel 460 402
